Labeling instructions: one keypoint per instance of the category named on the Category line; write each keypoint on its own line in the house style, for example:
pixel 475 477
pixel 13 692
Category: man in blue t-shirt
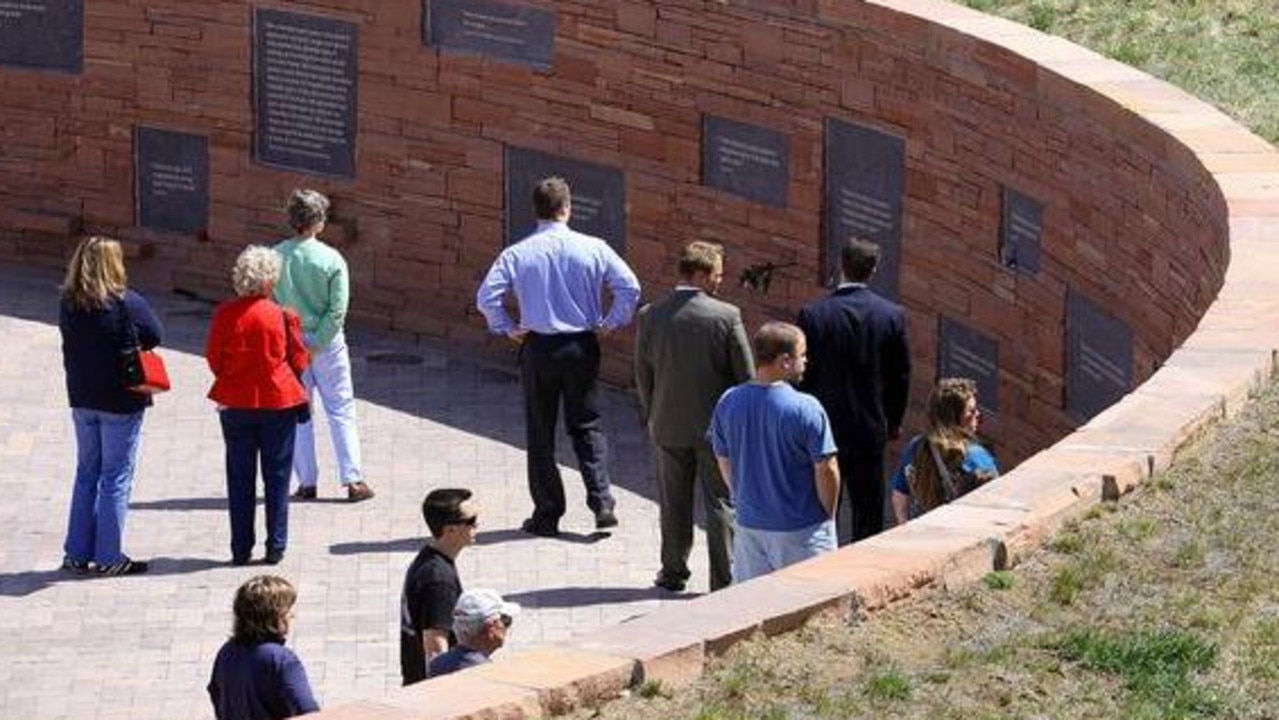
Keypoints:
pixel 775 449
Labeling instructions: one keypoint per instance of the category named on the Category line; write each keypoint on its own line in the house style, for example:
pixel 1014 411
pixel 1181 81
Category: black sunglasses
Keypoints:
pixel 471 521
pixel 507 620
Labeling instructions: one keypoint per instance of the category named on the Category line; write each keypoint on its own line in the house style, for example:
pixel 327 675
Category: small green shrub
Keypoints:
pixel 1190 554
pixel 999 580
pixel 1158 668
pixel 888 686
pixel 650 689
pixel 1066 584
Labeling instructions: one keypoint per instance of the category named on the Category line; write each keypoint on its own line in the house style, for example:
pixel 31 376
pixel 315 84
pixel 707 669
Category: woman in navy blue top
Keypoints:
pixel 99 318
pixel 255 677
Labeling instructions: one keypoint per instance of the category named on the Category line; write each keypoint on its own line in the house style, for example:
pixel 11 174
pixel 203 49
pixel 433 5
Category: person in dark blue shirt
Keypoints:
pixel 859 369
pixel 255 677
pixel 481 621
pixel 99 319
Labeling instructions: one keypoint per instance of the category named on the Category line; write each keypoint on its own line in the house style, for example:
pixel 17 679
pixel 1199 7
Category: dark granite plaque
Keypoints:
pixel 967 353
pixel 42 34
pixel 304 90
pixel 865 171
pixel 745 160
pixel 599 195
pixel 1021 231
pixel 1098 358
pixel 172 172
pixel 516 33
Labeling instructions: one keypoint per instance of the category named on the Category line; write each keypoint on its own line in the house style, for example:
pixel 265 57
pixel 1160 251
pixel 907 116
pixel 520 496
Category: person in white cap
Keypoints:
pixel 481 620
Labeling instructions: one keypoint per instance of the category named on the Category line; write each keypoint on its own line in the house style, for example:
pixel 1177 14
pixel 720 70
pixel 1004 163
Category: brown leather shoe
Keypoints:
pixel 359 492
pixel 304 493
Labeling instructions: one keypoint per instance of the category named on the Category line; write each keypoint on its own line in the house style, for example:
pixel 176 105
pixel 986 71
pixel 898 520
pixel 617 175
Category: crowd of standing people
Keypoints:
pixel 770 426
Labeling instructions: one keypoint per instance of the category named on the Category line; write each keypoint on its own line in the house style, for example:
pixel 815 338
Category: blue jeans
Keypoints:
pixel 330 373
pixel 759 552
pixel 106 453
pixel 250 436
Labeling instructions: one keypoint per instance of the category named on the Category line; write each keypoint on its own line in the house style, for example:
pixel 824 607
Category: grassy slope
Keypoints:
pixel 1224 51
pixel 1164 606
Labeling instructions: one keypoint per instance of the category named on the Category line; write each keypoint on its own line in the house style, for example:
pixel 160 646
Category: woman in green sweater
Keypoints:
pixel 314 282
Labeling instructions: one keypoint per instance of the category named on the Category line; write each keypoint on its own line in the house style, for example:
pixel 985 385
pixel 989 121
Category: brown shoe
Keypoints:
pixel 359 492
pixel 304 493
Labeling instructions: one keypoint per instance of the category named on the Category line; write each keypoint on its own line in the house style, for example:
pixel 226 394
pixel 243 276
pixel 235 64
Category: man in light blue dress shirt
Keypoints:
pixel 558 277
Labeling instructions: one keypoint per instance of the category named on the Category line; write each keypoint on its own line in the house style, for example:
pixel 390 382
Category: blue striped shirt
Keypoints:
pixel 558 276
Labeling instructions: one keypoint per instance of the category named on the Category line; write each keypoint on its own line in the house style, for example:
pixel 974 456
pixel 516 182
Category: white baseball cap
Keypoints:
pixel 483 604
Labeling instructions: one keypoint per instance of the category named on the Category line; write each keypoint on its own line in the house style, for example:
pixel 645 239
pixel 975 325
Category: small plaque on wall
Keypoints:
pixel 172 173
pixel 599 195
pixel 1098 358
pixel 514 33
pixel 746 160
pixel 967 353
pixel 305 82
pixel 42 34
pixel 865 172
pixel 1021 231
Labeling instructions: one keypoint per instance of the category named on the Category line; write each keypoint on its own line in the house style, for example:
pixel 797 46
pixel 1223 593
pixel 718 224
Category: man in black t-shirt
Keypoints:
pixel 431 585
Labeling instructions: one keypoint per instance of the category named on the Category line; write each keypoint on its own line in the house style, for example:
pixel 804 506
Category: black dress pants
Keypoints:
pixel 565 368
pixel 863 479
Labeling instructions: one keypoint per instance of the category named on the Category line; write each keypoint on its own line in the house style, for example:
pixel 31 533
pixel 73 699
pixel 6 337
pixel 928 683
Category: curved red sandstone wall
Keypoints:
pixel 1231 352
pixel 1150 192
pixel 1132 220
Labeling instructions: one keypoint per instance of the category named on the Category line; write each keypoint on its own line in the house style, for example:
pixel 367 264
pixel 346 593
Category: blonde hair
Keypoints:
pixel 256 269
pixel 261 605
pixel 700 256
pixel 95 275
pixel 946 433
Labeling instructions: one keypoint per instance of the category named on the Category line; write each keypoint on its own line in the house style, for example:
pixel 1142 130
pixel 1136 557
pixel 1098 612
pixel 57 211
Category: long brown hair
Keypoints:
pixel 947 434
pixel 95 275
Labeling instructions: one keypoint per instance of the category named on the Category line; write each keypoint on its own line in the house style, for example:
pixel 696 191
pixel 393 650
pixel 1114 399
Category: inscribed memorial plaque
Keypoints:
pixel 599 195
pixel 745 160
pixel 305 72
pixel 967 353
pixel 1021 231
pixel 1098 358
pixel 172 174
pixel 516 33
pixel 42 34
pixel 865 172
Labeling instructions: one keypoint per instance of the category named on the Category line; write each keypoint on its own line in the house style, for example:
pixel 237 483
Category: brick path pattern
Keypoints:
pixel 142 647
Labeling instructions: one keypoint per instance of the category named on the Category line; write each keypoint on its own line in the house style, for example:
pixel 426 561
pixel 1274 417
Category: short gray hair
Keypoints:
pixel 307 208
pixel 469 629
pixel 256 270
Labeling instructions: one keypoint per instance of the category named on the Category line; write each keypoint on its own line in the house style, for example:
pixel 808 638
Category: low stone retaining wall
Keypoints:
pixel 1230 354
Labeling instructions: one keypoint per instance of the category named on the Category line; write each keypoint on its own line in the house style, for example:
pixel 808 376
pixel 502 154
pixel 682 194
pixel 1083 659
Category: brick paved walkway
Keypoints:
pixel 142 647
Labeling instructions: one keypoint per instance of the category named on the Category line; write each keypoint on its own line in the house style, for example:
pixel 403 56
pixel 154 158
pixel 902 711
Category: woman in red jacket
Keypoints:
pixel 256 352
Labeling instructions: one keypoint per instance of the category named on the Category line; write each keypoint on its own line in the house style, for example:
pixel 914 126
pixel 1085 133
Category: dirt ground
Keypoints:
pixel 1162 605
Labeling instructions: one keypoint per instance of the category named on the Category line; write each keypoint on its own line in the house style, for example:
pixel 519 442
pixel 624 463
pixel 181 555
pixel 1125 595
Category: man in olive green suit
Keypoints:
pixel 690 348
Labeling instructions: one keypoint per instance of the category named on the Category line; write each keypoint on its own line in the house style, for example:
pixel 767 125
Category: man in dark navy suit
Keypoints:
pixel 859 368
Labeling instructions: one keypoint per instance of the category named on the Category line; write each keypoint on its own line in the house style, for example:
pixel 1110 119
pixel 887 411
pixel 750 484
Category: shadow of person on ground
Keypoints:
pixel 578 596
pixel 22 584
pixel 487 537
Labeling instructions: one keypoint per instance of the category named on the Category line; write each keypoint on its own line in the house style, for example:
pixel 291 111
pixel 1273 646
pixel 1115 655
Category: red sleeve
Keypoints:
pixel 298 357
pixel 213 346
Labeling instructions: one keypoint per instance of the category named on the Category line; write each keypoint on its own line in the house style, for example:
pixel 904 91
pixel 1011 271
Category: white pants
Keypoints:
pixel 330 373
